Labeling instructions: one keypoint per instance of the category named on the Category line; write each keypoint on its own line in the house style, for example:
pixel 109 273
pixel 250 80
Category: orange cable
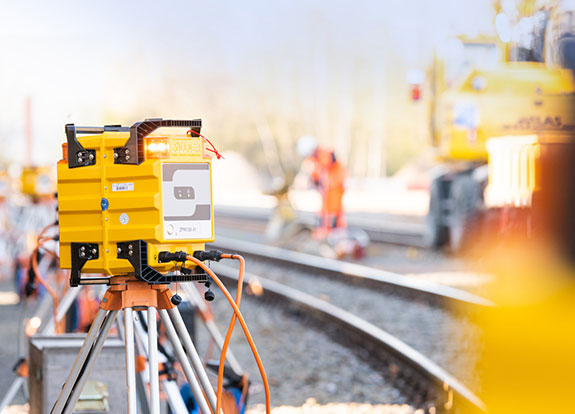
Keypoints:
pixel 45 229
pixel 245 328
pixel 50 252
pixel 226 343
pixel 41 239
pixel 46 285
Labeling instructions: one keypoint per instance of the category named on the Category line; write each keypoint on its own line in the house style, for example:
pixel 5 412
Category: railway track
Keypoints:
pixel 348 291
pixel 421 381
pixel 390 229
pixel 355 274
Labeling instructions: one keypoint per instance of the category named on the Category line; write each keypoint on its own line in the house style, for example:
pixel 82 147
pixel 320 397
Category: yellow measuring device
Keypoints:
pixel 125 194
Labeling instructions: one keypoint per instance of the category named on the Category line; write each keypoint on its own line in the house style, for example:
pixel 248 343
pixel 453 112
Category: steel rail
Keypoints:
pixel 381 229
pixel 354 273
pixel 448 391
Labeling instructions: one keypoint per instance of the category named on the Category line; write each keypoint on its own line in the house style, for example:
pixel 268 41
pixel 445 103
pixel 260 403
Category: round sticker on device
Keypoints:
pixel 124 218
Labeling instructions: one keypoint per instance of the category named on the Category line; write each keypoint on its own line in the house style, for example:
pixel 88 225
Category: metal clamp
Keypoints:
pixel 80 254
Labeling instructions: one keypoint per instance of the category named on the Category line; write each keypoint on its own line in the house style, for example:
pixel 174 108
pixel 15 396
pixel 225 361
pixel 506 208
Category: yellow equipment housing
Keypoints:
pixel 518 98
pixel 38 182
pixel 119 208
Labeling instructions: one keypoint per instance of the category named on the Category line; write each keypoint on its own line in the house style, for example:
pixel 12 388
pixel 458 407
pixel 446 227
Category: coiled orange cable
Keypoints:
pixel 245 328
pixel 232 322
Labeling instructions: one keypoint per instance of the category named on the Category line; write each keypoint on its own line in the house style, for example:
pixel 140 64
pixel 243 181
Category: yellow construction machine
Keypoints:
pixel 490 126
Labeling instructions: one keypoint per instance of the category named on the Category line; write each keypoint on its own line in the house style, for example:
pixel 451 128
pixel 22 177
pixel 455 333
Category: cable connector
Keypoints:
pixel 202 256
pixel 165 257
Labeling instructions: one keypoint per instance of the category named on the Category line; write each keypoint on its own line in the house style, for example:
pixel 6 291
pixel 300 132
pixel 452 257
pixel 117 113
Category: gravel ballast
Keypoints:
pixel 448 338
pixel 301 363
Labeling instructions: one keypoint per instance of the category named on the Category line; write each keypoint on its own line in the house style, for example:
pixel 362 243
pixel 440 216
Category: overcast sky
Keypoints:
pixel 86 62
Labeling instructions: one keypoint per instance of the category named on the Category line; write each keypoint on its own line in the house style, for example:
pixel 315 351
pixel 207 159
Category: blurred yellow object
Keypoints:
pixel 517 98
pixel 38 182
pixel 506 104
pixel 528 360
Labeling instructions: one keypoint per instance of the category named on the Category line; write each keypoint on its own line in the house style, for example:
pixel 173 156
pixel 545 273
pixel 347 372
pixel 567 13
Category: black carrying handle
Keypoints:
pixel 133 151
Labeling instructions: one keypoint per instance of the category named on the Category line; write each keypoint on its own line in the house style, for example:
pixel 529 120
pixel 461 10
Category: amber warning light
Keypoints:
pixel 157 147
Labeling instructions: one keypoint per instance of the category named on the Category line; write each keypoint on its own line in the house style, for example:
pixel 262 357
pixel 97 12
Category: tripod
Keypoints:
pixel 127 294
pixel 47 328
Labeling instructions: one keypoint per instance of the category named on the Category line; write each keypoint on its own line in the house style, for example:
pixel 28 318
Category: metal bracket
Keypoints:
pixel 80 254
pixel 133 152
pixel 78 156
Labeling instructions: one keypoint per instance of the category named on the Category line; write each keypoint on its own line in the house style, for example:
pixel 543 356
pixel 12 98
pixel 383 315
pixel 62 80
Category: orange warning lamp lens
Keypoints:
pixel 157 147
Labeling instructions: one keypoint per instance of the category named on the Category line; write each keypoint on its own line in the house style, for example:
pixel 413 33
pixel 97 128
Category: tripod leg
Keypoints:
pixel 181 355
pixel 170 385
pixel 174 397
pixel 153 362
pixel 196 299
pixel 142 378
pixel 130 359
pixel 90 362
pixel 193 355
pixel 79 363
pixel 12 391
pixel 141 348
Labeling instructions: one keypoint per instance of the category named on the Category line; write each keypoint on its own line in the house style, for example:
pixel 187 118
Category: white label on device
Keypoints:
pixel 123 187
pixel 187 201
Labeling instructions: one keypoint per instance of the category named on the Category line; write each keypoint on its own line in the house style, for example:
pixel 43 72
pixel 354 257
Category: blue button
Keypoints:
pixel 104 204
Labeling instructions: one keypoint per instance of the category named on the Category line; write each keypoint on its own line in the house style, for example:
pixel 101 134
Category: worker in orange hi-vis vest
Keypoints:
pixel 328 175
